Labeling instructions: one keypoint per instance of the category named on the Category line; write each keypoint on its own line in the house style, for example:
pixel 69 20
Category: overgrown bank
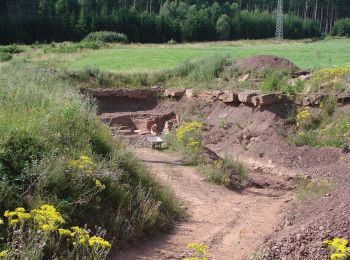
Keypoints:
pixel 54 150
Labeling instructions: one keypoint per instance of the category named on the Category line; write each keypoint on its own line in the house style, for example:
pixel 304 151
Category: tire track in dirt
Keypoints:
pixel 232 224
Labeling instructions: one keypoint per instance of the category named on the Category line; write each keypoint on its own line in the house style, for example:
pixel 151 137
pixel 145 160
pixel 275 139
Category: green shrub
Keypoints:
pixel 188 140
pixel 278 81
pixel 304 138
pixel 228 172
pixel 12 49
pixel 5 56
pixel 329 105
pixel 342 27
pixel 19 150
pixel 106 37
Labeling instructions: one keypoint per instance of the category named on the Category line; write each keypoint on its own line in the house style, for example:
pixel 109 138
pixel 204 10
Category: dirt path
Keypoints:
pixel 232 224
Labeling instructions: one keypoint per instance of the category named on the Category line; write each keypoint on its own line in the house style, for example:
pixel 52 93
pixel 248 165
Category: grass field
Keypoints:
pixel 318 54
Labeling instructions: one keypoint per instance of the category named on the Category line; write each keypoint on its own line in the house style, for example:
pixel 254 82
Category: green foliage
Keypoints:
pixel 342 27
pixel 5 56
pixel 307 188
pixel 20 148
pixel 223 27
pixel 54 149
pixel 106 37
pixel 159 21
pixel 278 81
pixel 329 105
pixel 188 140
pixel 12 49
pixel 227 172
pixel 328 128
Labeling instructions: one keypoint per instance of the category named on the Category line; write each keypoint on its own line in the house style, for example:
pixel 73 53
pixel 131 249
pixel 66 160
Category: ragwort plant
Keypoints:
pixel 32 233
pixel 339 247
pixel 189 135
pixel 199 251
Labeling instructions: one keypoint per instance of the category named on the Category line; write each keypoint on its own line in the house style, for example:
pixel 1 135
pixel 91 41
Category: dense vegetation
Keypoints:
pixel 160 21
pixel 54 150
pixel 342 27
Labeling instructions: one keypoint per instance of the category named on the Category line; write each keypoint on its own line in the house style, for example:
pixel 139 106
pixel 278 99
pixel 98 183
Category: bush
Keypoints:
pixel 342 27
pixel 188 140
pixel 228 172
pixel 5 56
pixel 278 81
pixel 12 49
pixel 106 37
pixel 223 27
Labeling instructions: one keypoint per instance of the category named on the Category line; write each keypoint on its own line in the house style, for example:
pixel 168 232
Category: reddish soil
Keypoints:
pixel 263 62
pixel 226 220
pixel 231 224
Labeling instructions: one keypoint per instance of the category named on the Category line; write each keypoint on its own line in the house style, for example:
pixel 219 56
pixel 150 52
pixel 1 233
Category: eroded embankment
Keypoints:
pixel 253 127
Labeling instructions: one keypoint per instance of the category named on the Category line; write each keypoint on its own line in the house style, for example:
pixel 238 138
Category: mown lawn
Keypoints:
pixel 138 57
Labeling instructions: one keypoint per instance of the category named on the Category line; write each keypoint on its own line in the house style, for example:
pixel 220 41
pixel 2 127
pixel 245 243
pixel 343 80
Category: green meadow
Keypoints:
pixel 147 57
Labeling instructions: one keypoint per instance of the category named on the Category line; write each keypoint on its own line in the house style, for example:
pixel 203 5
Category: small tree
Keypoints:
pixel 223 27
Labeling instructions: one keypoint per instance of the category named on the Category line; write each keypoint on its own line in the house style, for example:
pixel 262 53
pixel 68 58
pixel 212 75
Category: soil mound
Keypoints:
pixel 263 62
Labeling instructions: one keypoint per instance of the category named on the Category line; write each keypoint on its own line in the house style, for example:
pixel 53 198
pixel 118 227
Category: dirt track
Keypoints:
pixel 232 224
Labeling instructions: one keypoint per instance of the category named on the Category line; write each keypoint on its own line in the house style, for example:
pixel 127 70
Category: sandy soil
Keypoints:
pixel 232 224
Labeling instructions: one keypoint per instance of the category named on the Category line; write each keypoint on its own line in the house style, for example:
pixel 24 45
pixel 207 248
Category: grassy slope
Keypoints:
pixel 314 55
pixel 44 125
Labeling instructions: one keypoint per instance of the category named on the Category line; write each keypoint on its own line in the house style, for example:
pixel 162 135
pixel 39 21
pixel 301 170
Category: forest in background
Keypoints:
pixel 29 21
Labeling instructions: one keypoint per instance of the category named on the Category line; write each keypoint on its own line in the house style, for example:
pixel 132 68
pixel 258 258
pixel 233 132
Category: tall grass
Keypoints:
pixel 45 124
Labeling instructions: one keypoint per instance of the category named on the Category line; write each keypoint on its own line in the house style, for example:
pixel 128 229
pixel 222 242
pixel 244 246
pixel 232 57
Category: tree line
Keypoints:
pixel 28 21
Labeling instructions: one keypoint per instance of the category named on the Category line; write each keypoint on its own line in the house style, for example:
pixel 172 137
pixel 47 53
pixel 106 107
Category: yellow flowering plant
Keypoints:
pixel 200 251
pixel 304 118
pixel 33 233
pixel 84 163
pixel 190 134
pixel 339 248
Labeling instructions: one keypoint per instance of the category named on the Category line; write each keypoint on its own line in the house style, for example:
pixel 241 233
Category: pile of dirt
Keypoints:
pixel 260 63
pixel 307 225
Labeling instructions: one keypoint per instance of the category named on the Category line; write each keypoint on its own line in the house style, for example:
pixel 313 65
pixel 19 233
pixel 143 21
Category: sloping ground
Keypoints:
pixel 256 134
pixel 232 224
pixel 259 63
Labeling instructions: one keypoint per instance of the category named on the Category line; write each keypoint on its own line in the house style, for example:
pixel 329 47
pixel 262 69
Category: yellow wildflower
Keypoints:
pixel 84 163
pixel 65 232
pixel 14 221
pixel 100 242
pixel 1 221
pixel 340 250
pixel 81 234
pixel 99 184
pixel 47 218
pixel 3 254
pixel 18 215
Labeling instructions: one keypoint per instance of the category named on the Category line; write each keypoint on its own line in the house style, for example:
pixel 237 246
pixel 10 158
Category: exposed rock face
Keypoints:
pixel 228 96
pixel 265 99
pixel 247 96
pixel 174 93
pixel 128 93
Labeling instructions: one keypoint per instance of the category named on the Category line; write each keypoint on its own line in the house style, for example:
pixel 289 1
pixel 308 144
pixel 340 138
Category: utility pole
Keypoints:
pixel 279 21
